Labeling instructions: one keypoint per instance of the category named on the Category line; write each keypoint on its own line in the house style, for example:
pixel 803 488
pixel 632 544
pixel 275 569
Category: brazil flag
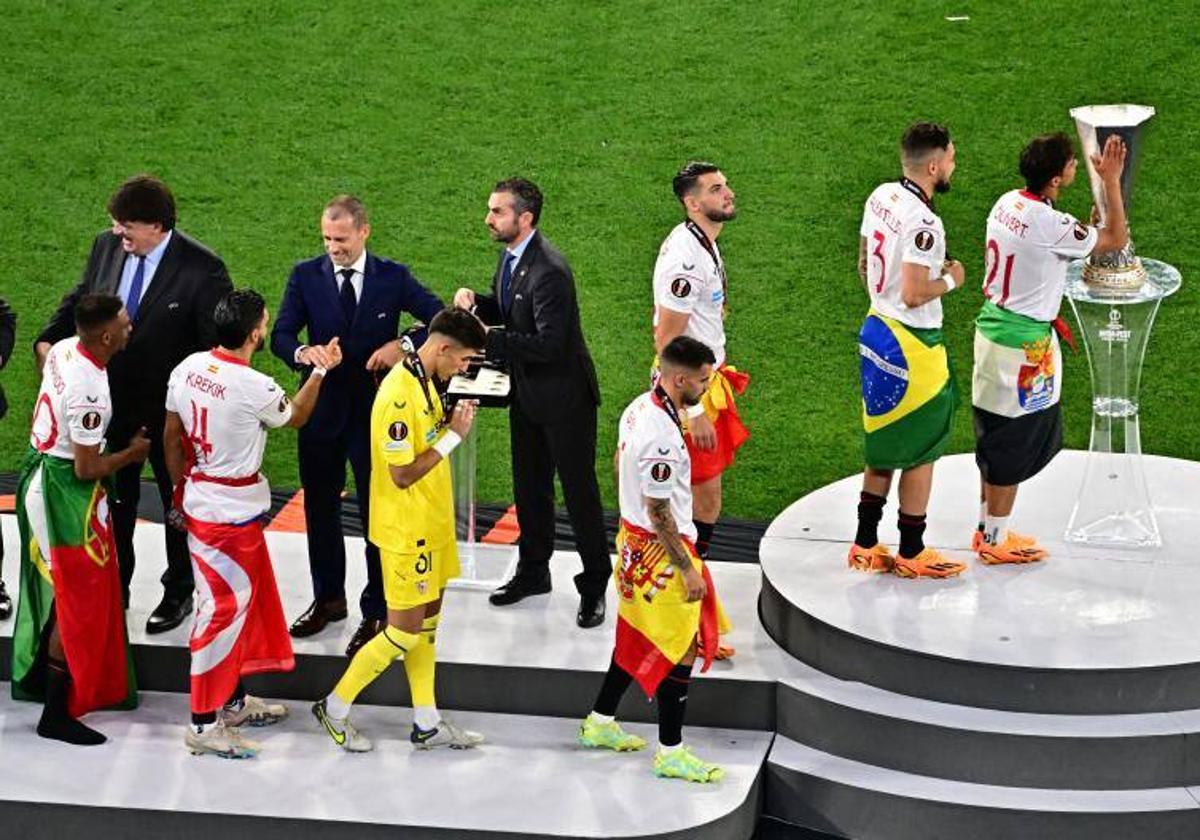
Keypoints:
pixel 907 393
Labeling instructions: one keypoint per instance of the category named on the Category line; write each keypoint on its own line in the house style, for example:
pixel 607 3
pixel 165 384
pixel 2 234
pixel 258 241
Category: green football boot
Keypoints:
pixel 680 763
pixel 608 736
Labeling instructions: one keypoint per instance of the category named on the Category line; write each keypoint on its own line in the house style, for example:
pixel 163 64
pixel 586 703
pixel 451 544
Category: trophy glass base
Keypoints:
pixel 1113 508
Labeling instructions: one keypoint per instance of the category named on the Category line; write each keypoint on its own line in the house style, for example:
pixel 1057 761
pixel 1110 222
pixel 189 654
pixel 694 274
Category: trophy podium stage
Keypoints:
pixel 1058 699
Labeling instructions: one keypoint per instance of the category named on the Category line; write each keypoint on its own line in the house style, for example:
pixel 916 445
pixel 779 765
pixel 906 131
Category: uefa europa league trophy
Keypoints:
pixel 1115 297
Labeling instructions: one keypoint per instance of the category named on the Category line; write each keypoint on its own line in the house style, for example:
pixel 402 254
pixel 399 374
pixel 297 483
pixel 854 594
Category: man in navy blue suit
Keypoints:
pixel 357 296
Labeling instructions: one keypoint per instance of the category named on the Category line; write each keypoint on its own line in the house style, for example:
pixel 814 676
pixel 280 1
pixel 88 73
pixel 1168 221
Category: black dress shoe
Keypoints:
pixel 5 602
pixel 367 630
pixel 591 611
pixel 517 589
pixel 169 614
pixel 318 614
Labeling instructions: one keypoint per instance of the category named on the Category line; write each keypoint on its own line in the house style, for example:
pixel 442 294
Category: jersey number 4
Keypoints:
pixel 993 266
pixel 198 435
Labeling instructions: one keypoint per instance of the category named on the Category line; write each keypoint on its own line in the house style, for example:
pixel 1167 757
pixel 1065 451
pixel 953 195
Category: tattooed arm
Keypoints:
pixel 668 536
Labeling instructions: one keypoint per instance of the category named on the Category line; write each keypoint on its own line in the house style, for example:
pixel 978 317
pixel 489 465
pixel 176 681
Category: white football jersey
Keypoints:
pixel 900 227
pixel 687 279
pixel 73 404
pixel 1029 246
pixel 654 463
pixel 226 407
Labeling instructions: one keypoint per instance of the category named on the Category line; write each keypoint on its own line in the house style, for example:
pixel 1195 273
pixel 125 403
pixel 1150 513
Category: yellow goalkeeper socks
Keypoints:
pixel 419 665
pixel 372 659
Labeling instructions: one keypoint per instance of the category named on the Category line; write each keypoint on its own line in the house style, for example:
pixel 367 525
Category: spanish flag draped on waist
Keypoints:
pixel 908 394
pixel 79 584
pixel 721 409
pixel 656 624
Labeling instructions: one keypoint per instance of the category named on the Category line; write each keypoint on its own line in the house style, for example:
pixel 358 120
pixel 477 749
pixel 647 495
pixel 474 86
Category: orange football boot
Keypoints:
pixel 1016 548
pixel 929 563
pixel 876 559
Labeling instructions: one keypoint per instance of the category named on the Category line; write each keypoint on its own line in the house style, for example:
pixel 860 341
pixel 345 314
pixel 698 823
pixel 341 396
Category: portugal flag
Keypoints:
pixel 79 585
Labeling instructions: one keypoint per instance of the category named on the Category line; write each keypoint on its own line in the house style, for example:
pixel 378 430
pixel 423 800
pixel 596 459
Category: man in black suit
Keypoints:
pixel 357 296
pixel 533 319
pixel 170 284
pixel 8 337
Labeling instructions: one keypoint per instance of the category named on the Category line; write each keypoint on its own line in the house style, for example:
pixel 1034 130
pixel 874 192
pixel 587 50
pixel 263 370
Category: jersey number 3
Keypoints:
pixel 878 254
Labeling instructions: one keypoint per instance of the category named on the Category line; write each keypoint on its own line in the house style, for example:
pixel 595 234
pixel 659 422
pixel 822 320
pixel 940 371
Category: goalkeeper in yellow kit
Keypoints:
pixel 412 524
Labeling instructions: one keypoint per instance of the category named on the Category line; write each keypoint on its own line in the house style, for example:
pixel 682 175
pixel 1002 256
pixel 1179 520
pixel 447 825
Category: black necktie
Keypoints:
pixel 346 295
pixel 506 282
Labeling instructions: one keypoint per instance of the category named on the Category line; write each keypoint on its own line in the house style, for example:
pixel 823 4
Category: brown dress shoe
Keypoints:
pixel 318 614
pixel 367 630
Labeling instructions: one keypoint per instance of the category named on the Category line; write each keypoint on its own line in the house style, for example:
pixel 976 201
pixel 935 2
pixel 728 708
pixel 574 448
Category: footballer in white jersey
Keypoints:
pixel 73 404
pixel 1017 376
pixel 689 278
pixel 1029 246
pixel 226 407
pixel 70 648
pixel 907 394
pixel 653 463
pixel 218 411
pixel 900 226
pixel 691 299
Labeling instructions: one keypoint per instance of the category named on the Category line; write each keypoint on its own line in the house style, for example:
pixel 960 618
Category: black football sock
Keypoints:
pixel 615 682
pixel 912 535
pixel 672 702
pixel 704 532
pixel 870 511
pixel 57 723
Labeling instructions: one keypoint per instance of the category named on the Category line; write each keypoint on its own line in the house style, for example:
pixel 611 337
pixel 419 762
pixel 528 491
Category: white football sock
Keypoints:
pixel 995 529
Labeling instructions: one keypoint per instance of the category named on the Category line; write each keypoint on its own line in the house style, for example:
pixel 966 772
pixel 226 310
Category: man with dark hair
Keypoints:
pixel 8 337
pixel 536 330
pixel 219 410
pixel 356 296
pixel 69 644
pixel 1018 377
pixel 908 395
pixel 412 436
pixel 668 609
pixel 169 284
pixel 691 298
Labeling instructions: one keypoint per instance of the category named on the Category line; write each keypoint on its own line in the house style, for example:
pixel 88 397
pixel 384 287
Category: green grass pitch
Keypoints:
pixel 256 112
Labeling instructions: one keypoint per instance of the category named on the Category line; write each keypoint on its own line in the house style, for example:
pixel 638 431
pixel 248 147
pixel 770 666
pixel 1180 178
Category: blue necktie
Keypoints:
pixel 505 282
pixel 346 295
pixel 134 299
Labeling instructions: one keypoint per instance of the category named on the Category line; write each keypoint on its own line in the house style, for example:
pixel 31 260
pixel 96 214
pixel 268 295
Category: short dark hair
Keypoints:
pixel 526 196
pixel 922 139
pixel 683 351
pixel 143 198
pixel 238 312
pixel 347 205
pixel 1045 158
pixel 460 326
pixel 688 176
pixel 94 311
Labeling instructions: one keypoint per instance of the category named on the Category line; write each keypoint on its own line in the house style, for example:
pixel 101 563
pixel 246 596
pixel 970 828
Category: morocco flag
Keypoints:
pixel 79 584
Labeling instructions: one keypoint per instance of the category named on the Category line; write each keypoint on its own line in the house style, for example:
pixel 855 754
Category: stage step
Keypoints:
pixel 847 798
pixel 1085 752
pixel 530 780
pixel 528 659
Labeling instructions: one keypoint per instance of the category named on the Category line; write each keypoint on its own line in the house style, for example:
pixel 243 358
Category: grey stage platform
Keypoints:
pixel 1057 700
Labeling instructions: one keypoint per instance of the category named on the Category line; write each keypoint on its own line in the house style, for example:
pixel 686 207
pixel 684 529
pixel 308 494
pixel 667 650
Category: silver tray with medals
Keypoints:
pixel 484 381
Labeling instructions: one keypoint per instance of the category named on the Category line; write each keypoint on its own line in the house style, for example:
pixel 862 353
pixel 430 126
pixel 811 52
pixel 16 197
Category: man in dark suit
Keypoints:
pixel 170 284
pixel 357 296
pixel 533 317
pixel 8 337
